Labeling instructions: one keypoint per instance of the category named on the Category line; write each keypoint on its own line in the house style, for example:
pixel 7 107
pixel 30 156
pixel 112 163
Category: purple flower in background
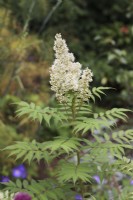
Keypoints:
pixel 131 182
pixel 97 179
pixel 22 196
pixel 4 179
pixel 78 197
pixel 19 171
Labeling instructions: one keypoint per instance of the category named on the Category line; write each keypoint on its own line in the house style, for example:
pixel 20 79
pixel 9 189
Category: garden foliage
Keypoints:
pixel 16 59
pixel 92 147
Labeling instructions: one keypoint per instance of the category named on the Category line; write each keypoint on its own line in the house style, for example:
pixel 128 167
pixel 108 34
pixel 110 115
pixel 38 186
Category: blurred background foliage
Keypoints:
pixel 99 34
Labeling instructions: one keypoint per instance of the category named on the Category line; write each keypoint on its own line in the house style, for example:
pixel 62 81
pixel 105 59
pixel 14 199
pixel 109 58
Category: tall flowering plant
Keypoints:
pixel 90 157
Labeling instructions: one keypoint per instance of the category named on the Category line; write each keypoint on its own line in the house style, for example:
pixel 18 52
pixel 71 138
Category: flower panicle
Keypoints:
pixel 66 75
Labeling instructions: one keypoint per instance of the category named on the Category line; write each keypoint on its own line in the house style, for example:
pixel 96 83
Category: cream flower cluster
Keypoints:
pixel 66 75
pixel 5 195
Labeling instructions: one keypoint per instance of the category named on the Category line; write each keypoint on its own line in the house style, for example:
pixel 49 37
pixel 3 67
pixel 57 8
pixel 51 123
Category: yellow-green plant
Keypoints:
pixel 91 147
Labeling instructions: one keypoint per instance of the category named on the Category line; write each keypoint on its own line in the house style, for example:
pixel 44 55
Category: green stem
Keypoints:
pixel 74 108
pixel 80 181
pixel 78 158
pixel 78 153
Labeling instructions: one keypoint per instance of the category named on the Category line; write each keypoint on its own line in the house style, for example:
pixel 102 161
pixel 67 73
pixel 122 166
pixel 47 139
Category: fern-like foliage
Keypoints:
pixel 115 113
pixel 68 145
pixel 85 124
pixel 81 120
pixel 100 120
pixel 98 91
pixel 126 194
pixel 97 148
pixel 37 113
pixel 106 147
pixel 125 165
pixel 71 172
pixel 29 151
pixel 124 138
pixel 40 190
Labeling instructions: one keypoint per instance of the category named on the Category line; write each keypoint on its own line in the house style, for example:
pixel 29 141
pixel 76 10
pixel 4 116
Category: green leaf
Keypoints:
pixel 37 113
pixel 70 171
pixel 68 145
pixel 39 190
pixel 18 183
pixel 86 124
pixel 98 91
pixel 29 151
